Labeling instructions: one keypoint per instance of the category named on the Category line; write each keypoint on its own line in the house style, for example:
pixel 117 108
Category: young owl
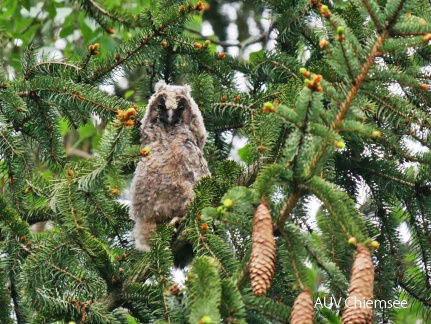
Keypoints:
pixel 162 186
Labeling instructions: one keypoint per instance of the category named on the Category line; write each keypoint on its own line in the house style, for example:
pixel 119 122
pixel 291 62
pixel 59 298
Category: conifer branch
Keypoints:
pixel 346 61
pixel 285 134
pixel 293 146
pixel 287 208
pixel 332 253
pixel 264 98
pixel 226 127
pixel 408 157
pixel 103 268
pixel 321 264
pixel 407 34
pixel 373 16
pixel 292 260
pixel 329 207
pixel 98 8
pixel 165 304
pixel 350 96
pixel 413 85
pixel 108 219
pixel 390 107
pixel 49 127
pixel 87 60
pixel 297 17
pixel 14 152
pixel 237 224
pixel 395 179
pixel 267 310
pixel 18 125
pixel 382 214
pixel 15 195
pixel 392 20
pixel 38 216
pixel 179 41
pixel 55 249
pixel 90 245
pixel 303 130
pixel 331 95
pixel 248 177
pixel 49 63
pixel 142 275
pixel 425 226
pixel 72 209
pixel 145 40
pixel 134 311
pixel 409 45
pixel 65 272
pixel 412 292
pixel 235 105
pixel 421 141
pixel 358 81
pixel 17 307
pixel 117 139
pixel 262 37
pixel 76 95
pixel 211 252
pixel 283 67
pixel 215 41
pixel 243 275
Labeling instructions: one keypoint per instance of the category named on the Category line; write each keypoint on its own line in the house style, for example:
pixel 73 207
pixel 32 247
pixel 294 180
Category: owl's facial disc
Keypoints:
pixel 170 114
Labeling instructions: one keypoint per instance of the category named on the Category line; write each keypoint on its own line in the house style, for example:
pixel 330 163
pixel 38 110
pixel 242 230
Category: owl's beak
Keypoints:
pixel 170 116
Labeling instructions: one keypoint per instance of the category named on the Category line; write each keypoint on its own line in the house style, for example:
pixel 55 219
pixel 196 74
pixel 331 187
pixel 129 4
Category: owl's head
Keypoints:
pixel 171 104
pixel 171 107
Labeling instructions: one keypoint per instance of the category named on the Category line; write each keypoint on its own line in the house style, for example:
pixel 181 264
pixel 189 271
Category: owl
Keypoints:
pixel 162 186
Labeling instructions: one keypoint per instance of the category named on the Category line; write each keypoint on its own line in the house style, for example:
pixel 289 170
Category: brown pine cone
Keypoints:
pixel 303 309
pixel 262 260
pixel 359 304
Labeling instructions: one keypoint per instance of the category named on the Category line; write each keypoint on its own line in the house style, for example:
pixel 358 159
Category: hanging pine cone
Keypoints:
pixel 360 290
pixel 303 310
pixel 262 260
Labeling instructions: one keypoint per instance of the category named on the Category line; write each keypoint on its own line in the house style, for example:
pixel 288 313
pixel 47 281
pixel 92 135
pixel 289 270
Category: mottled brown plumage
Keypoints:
pixel 162 186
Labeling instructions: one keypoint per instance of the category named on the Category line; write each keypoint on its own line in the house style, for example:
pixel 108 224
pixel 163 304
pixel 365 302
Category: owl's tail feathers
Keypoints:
pixel 142 233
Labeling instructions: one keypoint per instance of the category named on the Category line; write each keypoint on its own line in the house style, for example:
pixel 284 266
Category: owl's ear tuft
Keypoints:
pixel 186 90
pixel 159 85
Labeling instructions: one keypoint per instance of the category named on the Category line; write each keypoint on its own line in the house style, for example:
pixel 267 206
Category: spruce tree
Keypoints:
pixel 336 112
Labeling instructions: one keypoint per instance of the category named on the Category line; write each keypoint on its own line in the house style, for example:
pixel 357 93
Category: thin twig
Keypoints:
pixel 77 68
pixel 295 268
pixel 202 241
pixel 372 15
pixel 287 208
pixel 107 14
pixel 145 40
pixel 215 41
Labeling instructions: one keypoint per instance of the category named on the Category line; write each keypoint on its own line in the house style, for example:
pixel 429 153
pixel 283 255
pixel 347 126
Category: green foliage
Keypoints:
pixel 204 287
pixel 333 107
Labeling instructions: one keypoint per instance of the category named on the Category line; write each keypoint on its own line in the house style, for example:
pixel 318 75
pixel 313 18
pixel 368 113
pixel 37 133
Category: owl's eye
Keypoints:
pixel 189 144
pixel 161 104
pixel 181 104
